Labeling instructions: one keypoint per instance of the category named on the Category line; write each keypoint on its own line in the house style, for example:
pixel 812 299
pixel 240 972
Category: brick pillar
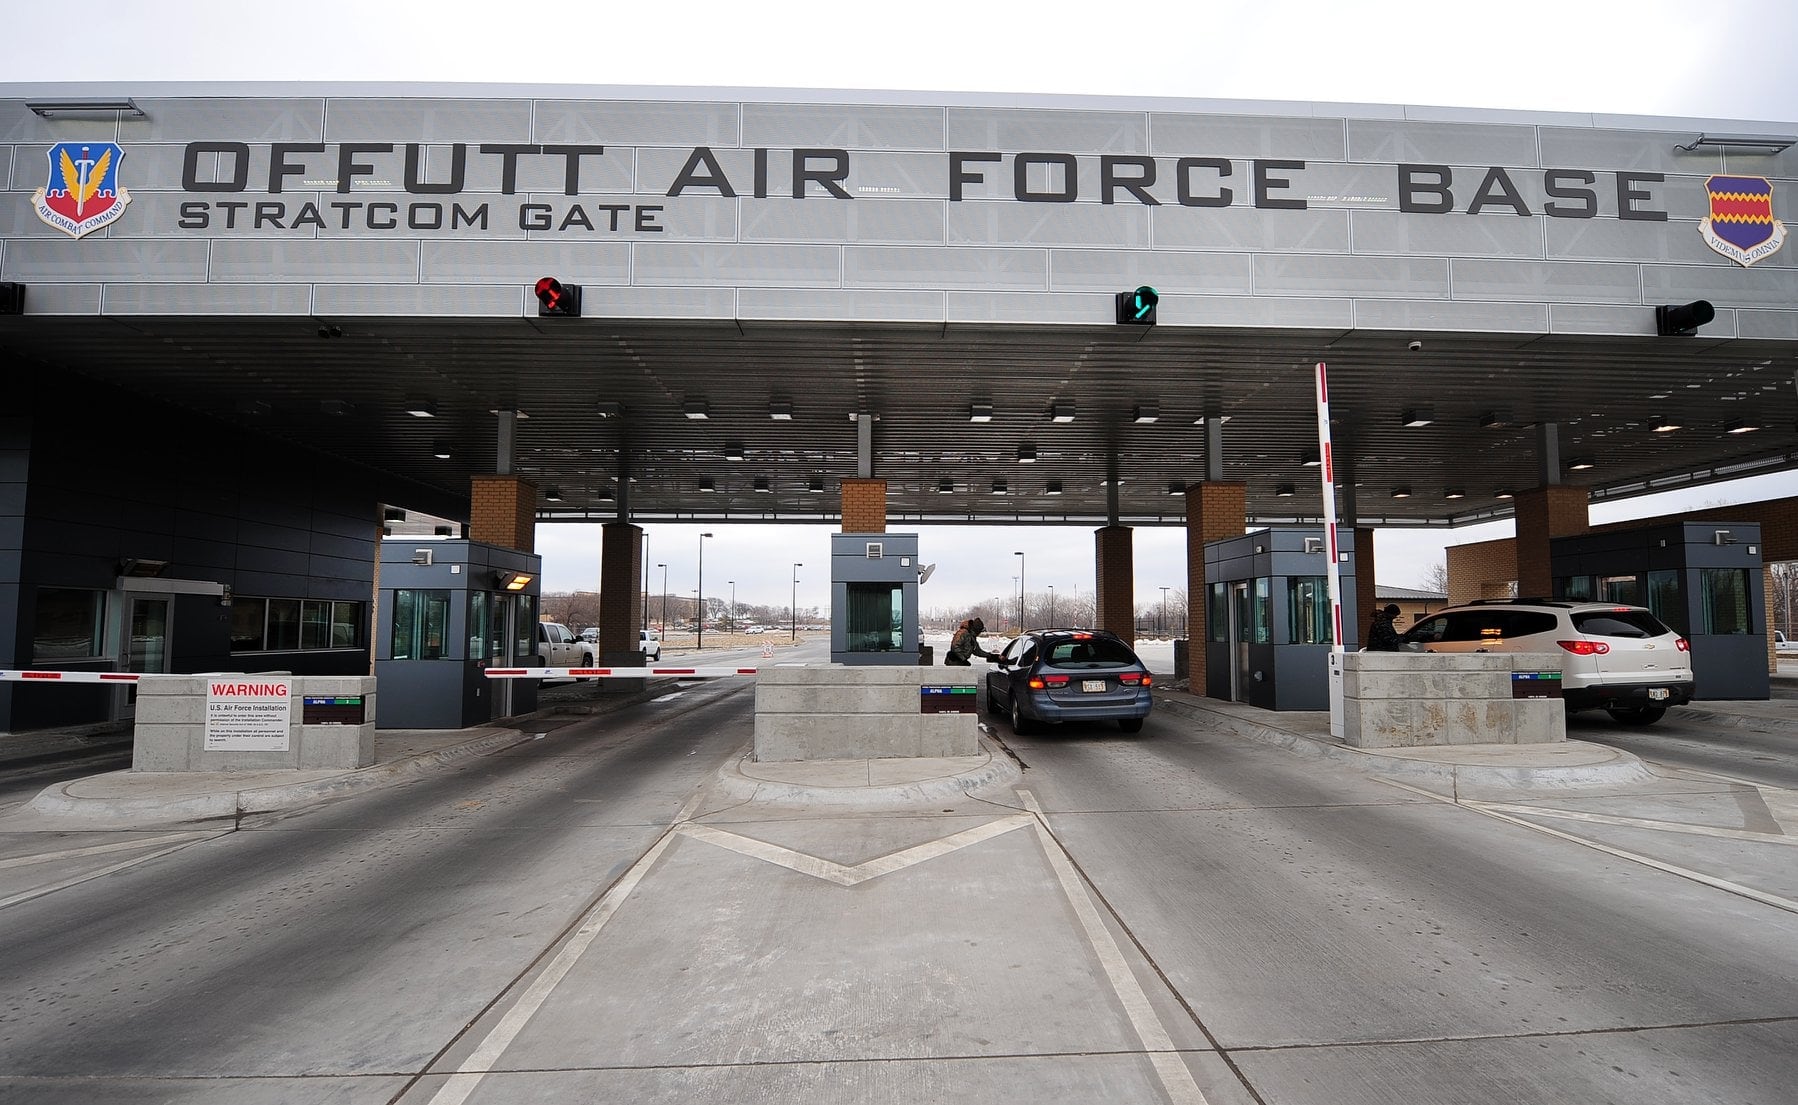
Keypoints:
pixel 503 512
pixel 1214 510
pixel 1767 601
pixel 1544 512
pixel 620 578
pixel 864 506
pixel 1364 597
pixel 1115 582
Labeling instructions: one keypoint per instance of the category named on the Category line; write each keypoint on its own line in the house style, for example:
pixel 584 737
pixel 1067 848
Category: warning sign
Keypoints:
pixel 247 715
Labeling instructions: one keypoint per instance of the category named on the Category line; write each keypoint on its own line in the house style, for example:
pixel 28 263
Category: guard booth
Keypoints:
pixel 874 598
pixel 1704 579
pixel 1267 618
pixel 449 610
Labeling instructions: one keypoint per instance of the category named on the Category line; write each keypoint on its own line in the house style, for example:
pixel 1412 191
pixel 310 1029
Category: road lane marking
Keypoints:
pixel 464 1080
pixel 38 892
pixel 1641 823
pixel 842 874
pixel 1158 1045
pixel 1749 892
pixel 97 849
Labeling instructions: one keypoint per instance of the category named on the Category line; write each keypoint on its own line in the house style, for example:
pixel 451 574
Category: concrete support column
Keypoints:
pixel 620 576
pixel 1115 582
pixel 1553 511
pixel 1364 596
pixel 864 506
pixel 1215 510
pixel 503 512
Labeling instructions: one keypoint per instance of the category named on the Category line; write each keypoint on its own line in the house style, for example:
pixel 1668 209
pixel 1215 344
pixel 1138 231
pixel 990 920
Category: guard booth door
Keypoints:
pixel 139 638
pixel 1242 631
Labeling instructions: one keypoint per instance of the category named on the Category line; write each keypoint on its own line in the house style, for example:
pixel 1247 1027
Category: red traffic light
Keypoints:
pixel 555 298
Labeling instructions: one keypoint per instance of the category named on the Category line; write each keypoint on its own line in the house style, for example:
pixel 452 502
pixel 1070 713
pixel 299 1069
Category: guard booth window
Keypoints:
pixel 1217 621
pixel 1725 600
pixel 69 625
pixel 420 624
pixel 876 617
pixel 1665 601
pixel 1307 611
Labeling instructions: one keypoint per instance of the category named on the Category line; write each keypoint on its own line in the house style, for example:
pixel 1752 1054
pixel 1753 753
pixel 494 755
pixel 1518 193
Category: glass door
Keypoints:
pixel 1242 631
pixel 145 644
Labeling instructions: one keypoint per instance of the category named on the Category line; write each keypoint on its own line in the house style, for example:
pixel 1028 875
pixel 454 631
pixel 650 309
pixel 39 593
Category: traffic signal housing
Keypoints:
pixel 1137 308
pixel 558 300
pixel 1686 318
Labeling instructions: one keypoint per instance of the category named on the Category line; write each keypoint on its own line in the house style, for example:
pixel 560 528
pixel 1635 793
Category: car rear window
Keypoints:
pixel 1089 652
pixel 1619 623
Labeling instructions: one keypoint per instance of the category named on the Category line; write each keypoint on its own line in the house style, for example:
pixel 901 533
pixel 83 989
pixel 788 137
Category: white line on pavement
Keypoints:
pixel 96 849
pixel 28 895
pixel 1175 1078
pixel 841 874
pixel 1641 823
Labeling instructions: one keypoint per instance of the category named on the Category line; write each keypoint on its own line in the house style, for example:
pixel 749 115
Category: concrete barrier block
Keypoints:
pixel 949 735
pixel 1477 721
pixel 160 747
pixel 159 707
pixel 835 737
pixel 1539 720
pixel 836 698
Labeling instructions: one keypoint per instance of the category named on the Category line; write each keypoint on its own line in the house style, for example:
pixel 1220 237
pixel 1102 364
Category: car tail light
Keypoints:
pixel 1683 645
pixel 1040 682
pixel 1585 648
pixel 1135 678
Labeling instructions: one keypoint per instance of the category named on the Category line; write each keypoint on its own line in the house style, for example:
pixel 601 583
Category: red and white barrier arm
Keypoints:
pixel 31 675
pixel 614 673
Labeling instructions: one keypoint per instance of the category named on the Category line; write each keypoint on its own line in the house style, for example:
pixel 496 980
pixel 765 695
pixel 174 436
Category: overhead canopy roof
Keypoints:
pixel 605 399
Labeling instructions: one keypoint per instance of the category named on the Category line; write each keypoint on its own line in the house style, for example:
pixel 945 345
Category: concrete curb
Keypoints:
pixel 229 804
pixel 999 770
pixel 1608 767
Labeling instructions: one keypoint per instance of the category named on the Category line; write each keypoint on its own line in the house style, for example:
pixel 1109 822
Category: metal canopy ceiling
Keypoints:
pixel 605 400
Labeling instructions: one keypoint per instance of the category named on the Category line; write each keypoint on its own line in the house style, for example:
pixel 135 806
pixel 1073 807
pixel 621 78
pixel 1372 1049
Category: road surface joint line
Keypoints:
pixel 845 875
pixel 1640 823
pixel 1175 1078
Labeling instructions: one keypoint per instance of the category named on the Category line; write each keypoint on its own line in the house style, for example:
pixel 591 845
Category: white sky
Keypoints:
pixel 1726 59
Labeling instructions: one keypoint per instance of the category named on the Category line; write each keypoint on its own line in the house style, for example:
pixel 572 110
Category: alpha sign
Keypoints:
pixel 218 175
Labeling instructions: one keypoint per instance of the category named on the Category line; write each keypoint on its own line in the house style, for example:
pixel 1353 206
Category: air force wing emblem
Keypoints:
pixel 1741 226
pixel 83 192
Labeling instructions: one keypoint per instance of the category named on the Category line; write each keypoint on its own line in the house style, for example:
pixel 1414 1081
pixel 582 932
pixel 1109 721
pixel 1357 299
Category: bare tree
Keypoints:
pixel 1435 578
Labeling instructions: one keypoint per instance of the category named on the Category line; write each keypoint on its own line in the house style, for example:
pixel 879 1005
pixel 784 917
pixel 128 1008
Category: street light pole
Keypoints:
pixel 1051 604
pixel 664 568
pixel 646 581
pixel 699 638
pixel 793 610
pixel 1164 628
pixel 1020 557
pixel 733 607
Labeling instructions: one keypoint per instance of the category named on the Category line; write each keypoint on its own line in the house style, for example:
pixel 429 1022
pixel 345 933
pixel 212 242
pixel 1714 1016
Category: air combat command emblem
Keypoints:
pixel 83 193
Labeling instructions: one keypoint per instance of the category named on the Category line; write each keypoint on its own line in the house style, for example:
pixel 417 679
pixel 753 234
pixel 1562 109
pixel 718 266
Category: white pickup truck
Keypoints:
pixel 560 648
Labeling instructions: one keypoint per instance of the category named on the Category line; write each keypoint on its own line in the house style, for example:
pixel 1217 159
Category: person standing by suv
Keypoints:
pixel 1382 636
pixel 966 643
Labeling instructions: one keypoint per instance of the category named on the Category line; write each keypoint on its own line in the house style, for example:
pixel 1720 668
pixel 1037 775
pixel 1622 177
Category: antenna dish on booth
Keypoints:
pixel 924 572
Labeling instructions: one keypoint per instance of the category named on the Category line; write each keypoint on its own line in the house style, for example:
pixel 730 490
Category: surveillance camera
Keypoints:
pixel 1415 346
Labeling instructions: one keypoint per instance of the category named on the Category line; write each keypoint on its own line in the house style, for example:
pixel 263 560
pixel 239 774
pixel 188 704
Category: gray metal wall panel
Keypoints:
pixel 486 301
pixel 1452 235
pixel 237 119
pixel 6 167
pixel 19 220
pixel 1247 230
pixel 516 264
pixel 353 119
pixel 1119 270
pixel 674 301
pixel 1070 224
pixel 636 123
pixel 840 126
pixel 59 299
pixel 658 168
pixel 738 265
pixel 1767 324
pixel 1297 313
pixel 161 260
pixel 364 261
pixel 913 267
pixel 1441 143
pixel 1083 309
pixel 1644 151
pixel 1585 318
pixel 154 213
pixel 1547 281
pixel 1025 130
pixel 207 299
pixel 1454 315
pixel 1247 136
pixel 19 123
pixel 1336 184
pixel 612 171
pixel 155 167
pixel 890 175
pixel 1398 277
pixel 431 218
pixel 848 305
pixel 869 221
pixel 1611 240
pixel 1725 284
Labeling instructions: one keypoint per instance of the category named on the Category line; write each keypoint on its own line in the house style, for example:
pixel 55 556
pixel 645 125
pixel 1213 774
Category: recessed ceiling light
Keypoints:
pixel 733 450
pixel 1053 487
pixel 781 410
pixel 1454 493
pixel 552 493
pixel 696 409
pixel 761 486
pixel 1027 453
pixel 1418 416
pixel 1283 490
pixel 1401 493
pixel 420 407
pixel 945 487
pixel 1666 425
pixel 815 485
pixel 1737 426
pixel 442 450
pixel 1147 412
pixel 1310 459
pixel 1062 410
pixel 999 488
pixel 980 412
pixel 1580 464
pixel 1504 493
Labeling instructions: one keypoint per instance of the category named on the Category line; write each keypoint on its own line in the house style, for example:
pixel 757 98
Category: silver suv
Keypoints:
pixel 1621 659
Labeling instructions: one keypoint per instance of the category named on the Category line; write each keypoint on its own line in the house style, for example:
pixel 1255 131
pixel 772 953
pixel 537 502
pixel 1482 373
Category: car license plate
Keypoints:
pixel 1092 684
pixel 1657 694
